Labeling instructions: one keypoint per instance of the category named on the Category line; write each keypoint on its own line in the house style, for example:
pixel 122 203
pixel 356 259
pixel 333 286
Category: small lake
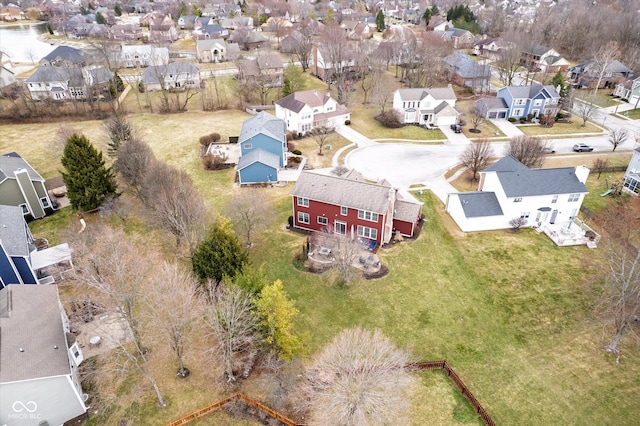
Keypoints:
pixel 21 42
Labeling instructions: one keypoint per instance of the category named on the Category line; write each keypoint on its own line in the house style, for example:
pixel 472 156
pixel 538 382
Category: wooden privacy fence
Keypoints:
pixel 426 365
pixel 443 365
pixel 219 404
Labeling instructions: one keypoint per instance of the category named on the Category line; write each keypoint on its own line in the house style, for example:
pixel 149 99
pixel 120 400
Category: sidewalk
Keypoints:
pixel 506 127
pixel 454 138
pixel 354 136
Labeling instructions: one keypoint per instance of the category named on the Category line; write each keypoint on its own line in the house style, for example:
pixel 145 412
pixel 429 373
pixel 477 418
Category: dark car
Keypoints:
pixel 456 128
pixel 582 147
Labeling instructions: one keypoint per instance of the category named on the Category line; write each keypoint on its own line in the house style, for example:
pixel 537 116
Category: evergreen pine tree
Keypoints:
pixel 220 255
pixel 117 10
pixel 380 25
pixel 86 177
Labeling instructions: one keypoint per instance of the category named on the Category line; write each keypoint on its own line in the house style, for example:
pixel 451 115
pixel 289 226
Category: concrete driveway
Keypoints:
pixel 454 138
pixel 404 164
pixel 506 127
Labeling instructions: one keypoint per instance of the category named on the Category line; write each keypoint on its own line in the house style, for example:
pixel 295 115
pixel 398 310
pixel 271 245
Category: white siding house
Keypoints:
pixel 508 189
pixel 305 110
pixel 426 107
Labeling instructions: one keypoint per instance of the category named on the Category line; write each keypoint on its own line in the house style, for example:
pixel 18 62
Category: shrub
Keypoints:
pixel 297 160
pixel 517 223
pixel 511 120
pixel 390 119
pixel 214 162
pixel 292 136
pixel 209 139
pixel 529 117
pixel 290 221
pixel 347 122
pixel 296 152
pixel 522 120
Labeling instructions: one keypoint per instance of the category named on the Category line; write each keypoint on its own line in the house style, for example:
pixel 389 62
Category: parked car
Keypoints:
pixel 456 128
pixel 582 147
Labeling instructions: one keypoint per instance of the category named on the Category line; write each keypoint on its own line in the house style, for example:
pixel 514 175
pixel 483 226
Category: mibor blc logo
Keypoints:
pixel 24 410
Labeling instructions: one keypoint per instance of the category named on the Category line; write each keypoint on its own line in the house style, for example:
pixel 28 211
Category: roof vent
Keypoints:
pixel 21 349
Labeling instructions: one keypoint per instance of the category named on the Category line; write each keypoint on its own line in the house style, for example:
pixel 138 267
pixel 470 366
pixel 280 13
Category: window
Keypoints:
pixel 520 102
pixel 574 197
pixel 367 232
pixel 524 215
pixel 304 202
pixel 517 200
pixel 554 199
pixel 366 215
pixel 247 146
pixel 343 210
pixel 340 228
pixel 517 112
pixel 45 202
pixel 303 217
pixel 322 220
pixel 537 102
pixel 25 209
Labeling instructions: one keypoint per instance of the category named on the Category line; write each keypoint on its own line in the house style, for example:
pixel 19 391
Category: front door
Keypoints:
pixel 554 214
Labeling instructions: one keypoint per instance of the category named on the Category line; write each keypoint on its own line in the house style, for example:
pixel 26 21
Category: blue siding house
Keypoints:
pixel 535 100
pixel 263 148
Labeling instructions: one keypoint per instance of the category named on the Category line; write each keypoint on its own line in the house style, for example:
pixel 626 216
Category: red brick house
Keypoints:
pixel 350 205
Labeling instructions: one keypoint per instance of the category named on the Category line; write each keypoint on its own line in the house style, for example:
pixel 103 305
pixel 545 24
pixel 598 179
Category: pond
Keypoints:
pixel 21 42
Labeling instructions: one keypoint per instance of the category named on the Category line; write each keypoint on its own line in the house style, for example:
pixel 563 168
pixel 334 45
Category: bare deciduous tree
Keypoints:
pixel 600 165
pixel 476 156
pixel 234 326
pixel 586 109
pixel 249 211
pixel 602 60
pixel 617 137
pixel 112 263
pixel 529 150
pixel 321 135
pixel 304 44
pixel 134 157
pixel 383 93
pixel 621 305
pixel 174 203
pixel 338 56
pixel 476 117
pixel 174 309
pixel 358 379
pixel 344 250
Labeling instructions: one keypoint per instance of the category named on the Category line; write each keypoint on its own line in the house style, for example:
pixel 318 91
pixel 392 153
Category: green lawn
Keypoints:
pixel 633 114
pixel 559 128
pixel 603 97
pixel 512 313
pixel 362 121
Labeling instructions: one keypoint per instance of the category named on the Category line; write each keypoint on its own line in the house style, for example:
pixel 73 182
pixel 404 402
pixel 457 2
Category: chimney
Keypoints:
pixel 582 173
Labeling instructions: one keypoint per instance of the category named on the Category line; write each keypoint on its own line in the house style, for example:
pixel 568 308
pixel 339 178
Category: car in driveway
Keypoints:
pixel 582 147
pixel 456 128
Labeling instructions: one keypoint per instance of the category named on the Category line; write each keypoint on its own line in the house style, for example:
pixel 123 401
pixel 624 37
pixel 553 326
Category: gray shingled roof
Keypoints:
pixel 493 103
pixel 101 75
pixel 208 44
pixel 518 180
pixel 151 74
pixel 529 92
pixel 13 231
pixel 34 324
pixel 347 190
pixel 439 93
pixel 11 162
pixel 65 53
pixel 466 67
pixel 480 204
pixel 264 123
pixel 53 74
pixel 296 101
pixel 407 208
pixel 260 156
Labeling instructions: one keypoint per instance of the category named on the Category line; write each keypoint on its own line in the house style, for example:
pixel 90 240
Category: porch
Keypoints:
pixel 572 233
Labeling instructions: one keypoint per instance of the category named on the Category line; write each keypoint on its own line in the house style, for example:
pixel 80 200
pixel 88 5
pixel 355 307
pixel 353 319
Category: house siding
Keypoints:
pixel 405 228
pixel 257 173
pixel 332 213
pixel 267 143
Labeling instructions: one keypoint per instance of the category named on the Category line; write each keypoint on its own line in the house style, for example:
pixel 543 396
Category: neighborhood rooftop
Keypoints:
pixel 480 204
pixel 296 101
pixel 32 338
pixel 12 231
pixel 438 93
pixel 263 123
pixel 11 162
pixel 346 190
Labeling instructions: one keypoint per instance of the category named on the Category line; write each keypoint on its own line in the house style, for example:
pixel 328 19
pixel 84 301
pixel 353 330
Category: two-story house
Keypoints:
pixel 522 101
pixel 489 47
pixel 39 359
pixel 426 107
pixel 632 175
pixel 353 206
pixel 543 59
pixel 508 189
pixel 61 83
pixel 586 75
pixel 176 75
pixel 307 109
pixel 143 55
pixel 266 68
pixel 22 186
pixel 462 70
pixel 263 149
pixel 162 30
pixel 322 65
pixel 66 57
pixel 216 50
pixel 126 32
pixel 461 39
pixel 629 91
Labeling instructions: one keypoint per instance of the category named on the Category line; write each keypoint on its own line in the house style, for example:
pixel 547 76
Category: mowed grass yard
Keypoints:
pixel 512 313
